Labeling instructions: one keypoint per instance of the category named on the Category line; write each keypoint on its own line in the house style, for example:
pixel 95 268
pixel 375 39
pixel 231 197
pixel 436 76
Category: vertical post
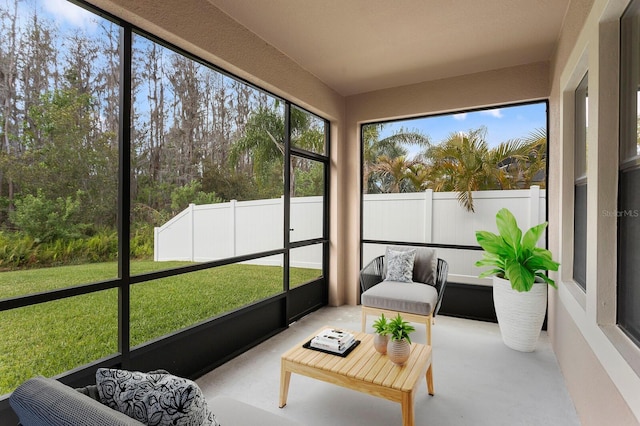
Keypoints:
pixel 156 244
pixel 287 209
pixel 192 234
pixel 124 197
pixel 233 226
pixel 534 206
pixel 428 216
pixel 288 230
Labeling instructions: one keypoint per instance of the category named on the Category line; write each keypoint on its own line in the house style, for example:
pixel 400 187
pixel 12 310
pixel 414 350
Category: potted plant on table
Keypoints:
pixel 399 346
pixel 381 338
pixel 520 281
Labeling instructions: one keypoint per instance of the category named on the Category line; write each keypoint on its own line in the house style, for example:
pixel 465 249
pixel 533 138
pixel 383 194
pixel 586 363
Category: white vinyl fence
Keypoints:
pixel 437 217
pixel 219 231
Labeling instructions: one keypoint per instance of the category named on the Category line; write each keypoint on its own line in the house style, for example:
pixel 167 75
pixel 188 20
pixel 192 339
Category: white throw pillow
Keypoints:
pixel 399 265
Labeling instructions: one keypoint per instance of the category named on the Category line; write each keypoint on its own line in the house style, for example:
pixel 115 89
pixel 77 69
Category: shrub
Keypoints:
pixel 46 220
pixel 102 247
pixel 142 241
pixel 191 193
pixel 17 252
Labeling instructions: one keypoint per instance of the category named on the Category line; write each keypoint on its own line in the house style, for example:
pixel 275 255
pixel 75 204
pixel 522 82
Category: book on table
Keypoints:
pixel 333 340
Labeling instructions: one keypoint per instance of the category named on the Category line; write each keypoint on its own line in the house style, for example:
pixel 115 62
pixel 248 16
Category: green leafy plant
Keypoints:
pixel 380 325
pixel 399 329
pixel 514 256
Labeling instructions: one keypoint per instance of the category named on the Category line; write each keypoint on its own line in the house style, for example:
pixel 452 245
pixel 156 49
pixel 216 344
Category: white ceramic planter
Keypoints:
pixel 520 314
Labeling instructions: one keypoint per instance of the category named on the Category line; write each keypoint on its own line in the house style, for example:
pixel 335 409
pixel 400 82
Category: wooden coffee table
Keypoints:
pixel 363 370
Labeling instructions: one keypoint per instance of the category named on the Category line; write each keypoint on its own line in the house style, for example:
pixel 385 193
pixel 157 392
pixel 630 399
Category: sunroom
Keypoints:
pixel 310 76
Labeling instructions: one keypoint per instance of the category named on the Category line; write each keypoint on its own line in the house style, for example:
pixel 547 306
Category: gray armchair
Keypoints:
pixel 417 301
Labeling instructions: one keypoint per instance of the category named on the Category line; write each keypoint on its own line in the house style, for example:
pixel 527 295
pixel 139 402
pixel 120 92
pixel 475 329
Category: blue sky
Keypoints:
pixel 502 123
pixel 66 13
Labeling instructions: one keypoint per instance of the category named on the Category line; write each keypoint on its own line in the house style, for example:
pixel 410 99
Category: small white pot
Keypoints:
pixel 520 314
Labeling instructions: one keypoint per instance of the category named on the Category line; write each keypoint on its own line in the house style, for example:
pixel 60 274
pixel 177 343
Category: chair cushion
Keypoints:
pixel 414 298
pixel 425 264
pixel 399 265
pixel 46 402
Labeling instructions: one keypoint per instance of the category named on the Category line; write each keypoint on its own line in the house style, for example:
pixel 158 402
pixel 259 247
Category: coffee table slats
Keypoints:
pixel 381 371
pixel 365 364
pixel 408 376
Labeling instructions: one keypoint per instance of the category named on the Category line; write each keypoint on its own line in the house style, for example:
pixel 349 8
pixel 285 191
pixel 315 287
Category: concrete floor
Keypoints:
pixel 478 380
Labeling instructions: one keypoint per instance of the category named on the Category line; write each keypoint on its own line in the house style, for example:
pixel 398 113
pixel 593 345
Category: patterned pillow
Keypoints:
pixel 399 265
pixel 154 398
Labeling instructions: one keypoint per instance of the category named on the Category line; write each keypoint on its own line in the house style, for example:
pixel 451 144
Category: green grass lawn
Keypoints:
pixel 53 337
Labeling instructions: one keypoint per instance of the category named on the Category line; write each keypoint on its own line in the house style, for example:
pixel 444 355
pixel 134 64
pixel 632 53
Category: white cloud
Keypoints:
pixel 67 13
pixel 497 113
pixel 460 116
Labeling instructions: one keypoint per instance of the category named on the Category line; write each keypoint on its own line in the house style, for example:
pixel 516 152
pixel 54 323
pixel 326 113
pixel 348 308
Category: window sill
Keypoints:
pixel 627 349
pixel 577 292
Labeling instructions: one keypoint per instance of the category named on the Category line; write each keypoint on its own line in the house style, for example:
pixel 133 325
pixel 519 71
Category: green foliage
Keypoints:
pixel 263 141
pixel 15 252
pixel 192 192
pixel 380 325
pixel 515 257
pixel 102 246
pixel 380 167
pixel 21 251
pixel 309 182
pixel 46 220
pixel 63 152
pixel 141 241
pixel 228 184
pixel 464 163
pixel 399 329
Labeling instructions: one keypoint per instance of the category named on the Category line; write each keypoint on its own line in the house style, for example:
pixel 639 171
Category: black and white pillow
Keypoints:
pixel 399 265
pixel 156 399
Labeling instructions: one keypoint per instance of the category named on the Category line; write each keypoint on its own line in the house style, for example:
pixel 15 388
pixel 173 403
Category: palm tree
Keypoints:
pixel 392 173
pixel 419 175
pixel 263 143
pixel 464 163
pixel 534 169
pixel 374 149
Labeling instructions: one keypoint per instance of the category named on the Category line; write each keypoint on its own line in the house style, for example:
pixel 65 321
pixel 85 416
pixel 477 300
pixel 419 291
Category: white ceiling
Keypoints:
pixel 357 46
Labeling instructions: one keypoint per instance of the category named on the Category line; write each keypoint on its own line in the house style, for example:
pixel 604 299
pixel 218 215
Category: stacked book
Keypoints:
pixel 333 340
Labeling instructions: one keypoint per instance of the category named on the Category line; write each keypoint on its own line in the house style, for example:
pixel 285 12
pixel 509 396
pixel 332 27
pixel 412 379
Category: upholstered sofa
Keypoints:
pixel 42 401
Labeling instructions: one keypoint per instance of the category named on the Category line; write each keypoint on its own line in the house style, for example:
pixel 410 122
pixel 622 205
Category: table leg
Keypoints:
pixel 430 380
pixel 285 378
pixel 408 412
